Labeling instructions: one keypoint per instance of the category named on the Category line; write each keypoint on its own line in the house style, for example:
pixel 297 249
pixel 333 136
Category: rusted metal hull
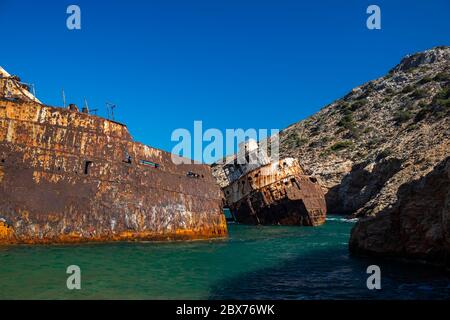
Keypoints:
pixel 278 193
pixel 67 176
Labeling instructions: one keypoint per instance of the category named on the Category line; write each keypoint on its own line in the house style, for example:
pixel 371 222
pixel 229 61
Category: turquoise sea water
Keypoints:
pixel 254 263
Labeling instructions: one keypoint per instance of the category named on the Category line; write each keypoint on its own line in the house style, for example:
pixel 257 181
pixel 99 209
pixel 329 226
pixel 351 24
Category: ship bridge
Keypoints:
pixel 248 158
pixel 12 88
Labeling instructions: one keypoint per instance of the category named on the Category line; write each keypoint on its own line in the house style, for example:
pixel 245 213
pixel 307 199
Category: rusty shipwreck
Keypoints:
pixel 270 192
pixel 70 176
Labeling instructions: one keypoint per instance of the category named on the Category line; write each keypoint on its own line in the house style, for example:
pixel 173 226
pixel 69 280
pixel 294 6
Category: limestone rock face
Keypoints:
pixel 382 134
pixel 416 226
pixel 385 133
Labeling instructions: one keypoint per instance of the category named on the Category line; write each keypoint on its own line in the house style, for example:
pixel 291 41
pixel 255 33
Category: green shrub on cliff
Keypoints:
pixel 341 145
pixel 383 154
pixel 419 93
pixel 348 123
pixel 408 89
pixel 424 80
pixel 294 140
pixel 390 91
pixel 443 95
pixel 442 76
pixel 300 141
pixel 358 104
pixel 402 116
pixel 438 108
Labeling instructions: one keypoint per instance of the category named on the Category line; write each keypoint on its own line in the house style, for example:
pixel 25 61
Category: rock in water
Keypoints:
pixel 416 226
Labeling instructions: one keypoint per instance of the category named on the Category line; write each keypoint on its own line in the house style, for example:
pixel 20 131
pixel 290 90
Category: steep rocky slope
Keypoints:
pixel 382 134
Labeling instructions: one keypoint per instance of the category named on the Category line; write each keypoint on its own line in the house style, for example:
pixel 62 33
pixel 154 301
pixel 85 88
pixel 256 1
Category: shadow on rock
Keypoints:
pixel 360 185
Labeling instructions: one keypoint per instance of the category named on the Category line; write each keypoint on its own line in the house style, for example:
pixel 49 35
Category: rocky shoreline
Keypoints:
pixel 417 226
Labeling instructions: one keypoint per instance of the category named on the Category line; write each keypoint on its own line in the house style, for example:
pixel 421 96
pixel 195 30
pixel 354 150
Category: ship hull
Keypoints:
pixel 277 194
pixel 67 177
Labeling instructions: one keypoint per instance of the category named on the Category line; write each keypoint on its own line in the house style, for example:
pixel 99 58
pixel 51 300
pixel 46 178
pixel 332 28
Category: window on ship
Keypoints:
pixel 87 164
pixel 127 158
pixel 191 174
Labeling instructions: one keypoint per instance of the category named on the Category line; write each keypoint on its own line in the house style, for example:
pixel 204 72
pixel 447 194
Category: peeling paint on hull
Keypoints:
pixel 69 177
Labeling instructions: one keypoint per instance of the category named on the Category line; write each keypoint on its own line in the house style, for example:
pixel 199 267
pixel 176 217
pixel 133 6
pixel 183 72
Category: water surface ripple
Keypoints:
pixel 254 263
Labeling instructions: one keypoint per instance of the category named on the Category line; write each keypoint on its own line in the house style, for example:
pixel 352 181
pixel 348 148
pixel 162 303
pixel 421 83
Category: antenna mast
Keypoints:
pixel 110 109
pixel 85 108
pixel 64 98
pixel 34 91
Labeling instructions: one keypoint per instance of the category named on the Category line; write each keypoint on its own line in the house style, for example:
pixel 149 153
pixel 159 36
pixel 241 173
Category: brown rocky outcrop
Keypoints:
pixel 416 226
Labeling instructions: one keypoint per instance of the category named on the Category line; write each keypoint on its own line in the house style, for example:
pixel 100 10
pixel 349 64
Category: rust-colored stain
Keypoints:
pixel 277 193
pixel 68 176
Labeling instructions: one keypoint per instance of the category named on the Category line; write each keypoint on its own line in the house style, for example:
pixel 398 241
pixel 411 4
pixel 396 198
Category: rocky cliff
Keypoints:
pixel 416 226
pixel 383 134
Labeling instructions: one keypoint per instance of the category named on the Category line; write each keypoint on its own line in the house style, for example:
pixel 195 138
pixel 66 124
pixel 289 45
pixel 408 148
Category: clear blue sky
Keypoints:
pixel 230 63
